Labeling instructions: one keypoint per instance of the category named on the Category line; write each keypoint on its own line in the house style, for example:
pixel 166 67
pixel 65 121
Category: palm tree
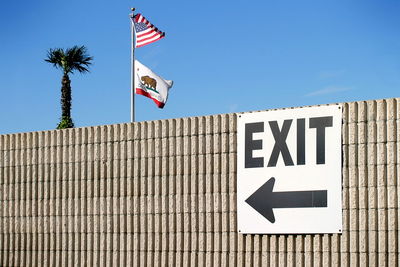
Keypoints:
pixel 75 58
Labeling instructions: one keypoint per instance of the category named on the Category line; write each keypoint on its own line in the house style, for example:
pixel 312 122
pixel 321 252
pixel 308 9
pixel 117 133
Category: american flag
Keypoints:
pixel 146 33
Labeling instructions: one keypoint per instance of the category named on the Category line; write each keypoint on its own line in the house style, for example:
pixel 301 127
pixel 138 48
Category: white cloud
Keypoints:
pixel 329 90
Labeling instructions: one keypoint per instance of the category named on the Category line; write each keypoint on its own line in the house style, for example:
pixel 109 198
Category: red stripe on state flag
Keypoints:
pixel 140 91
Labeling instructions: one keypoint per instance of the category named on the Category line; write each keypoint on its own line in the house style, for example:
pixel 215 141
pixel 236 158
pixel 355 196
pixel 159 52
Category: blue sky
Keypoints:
pixel 224 56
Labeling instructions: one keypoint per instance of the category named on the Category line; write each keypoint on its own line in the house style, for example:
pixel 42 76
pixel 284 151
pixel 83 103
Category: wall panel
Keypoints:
pixel 163 193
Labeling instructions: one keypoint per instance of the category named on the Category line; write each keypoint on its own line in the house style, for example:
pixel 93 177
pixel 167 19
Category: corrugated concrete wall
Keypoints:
pixel 163 193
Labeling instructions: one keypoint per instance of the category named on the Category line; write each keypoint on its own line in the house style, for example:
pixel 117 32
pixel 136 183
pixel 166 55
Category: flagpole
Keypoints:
pixel 133 72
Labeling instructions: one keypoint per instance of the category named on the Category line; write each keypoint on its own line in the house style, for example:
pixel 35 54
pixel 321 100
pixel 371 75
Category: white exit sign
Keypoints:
pixel 289 171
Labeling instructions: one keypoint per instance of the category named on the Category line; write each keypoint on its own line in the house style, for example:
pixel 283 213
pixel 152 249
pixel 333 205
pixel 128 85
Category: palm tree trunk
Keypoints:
pixel 66 99
pixel 66 96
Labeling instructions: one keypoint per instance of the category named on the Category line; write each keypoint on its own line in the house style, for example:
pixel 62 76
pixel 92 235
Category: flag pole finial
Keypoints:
pixel 132 14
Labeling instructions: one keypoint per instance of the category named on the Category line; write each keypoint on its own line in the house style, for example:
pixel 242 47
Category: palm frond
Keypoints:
pixel 78 59
pixel 55 56
pixel 74 58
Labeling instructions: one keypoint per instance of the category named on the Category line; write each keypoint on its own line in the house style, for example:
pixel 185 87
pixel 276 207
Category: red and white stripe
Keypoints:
pixel 140 91
pixel 148 36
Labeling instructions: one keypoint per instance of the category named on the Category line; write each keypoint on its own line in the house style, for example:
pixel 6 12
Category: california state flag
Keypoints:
pixel 151 85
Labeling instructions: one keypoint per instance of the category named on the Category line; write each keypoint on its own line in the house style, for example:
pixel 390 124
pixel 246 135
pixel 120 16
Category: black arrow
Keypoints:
pixel 264 200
